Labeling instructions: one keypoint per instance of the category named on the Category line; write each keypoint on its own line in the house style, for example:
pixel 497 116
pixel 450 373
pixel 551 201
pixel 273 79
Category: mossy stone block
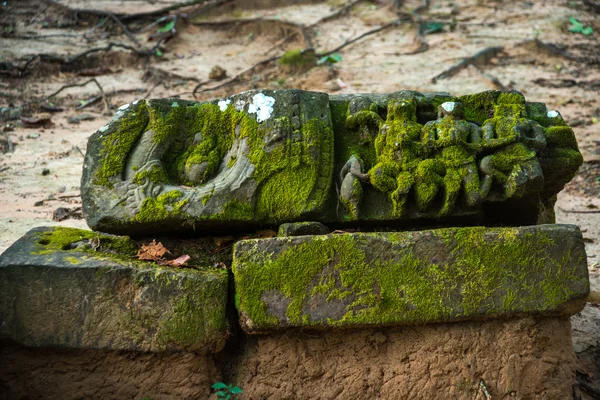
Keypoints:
pixel 403 278
pixel 257 157
pixel 73 288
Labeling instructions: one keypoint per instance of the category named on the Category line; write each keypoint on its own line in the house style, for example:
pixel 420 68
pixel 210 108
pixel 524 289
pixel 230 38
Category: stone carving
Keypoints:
pixel 267 157
pixel 167 164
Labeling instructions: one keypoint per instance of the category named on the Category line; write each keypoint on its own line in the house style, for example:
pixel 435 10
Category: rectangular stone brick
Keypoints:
pixel 55 290
pixel 381 279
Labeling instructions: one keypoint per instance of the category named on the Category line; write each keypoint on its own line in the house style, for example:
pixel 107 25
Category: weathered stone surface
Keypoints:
pixel 267 157
pixel 522 358
pixel 302 228
pixel 368 279
pixel 256 157
pixel 75 374
pixel 78 289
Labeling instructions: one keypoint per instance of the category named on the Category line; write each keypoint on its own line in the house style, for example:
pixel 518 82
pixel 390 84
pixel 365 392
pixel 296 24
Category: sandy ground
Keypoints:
pixel 43 172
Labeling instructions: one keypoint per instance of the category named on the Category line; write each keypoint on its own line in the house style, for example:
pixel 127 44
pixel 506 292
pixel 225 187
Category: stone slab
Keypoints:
pixel 378 279
pixel 254 158
pixel 56 290
pixel 276 156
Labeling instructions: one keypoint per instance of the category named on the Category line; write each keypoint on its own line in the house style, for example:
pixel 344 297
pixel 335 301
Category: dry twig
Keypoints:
pixel 484 54
pixel 365 34
pixel 579 211
pixel 106 105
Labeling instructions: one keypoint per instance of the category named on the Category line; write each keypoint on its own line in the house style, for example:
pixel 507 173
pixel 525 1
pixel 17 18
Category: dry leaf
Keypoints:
pixel 266 233
pixel 179 261
pixel 221 240
pixel 153 251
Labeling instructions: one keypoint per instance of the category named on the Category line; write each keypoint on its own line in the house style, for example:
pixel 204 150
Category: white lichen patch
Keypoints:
pixel 239 105
pixel 174 105
pixel 104 128
pixel 223 104
pixel 262 106
pixel 448 106
pixel 553 114
pixel 123 107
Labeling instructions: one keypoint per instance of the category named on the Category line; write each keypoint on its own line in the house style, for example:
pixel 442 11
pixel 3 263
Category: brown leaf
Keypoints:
pixel 153 251
pixel 179 261
pixel 266 233
pixel 222 240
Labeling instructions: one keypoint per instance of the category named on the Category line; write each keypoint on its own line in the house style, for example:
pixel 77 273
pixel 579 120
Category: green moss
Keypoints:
pixel 118 142
pixel 155 174
pixel 479 106
pixel 298 60
pixel 296 176
pixel 195 315
pixel 292 175
pixel 235 210
pixel 164 206
pixel 539 113
pixel 58 239
pixel 489 273
pixel 72 260
pixel 561 137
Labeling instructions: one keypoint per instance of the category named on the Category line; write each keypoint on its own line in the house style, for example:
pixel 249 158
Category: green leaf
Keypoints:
pixel 236 390
pixel 587 31
pixel 219 386
pixel 159 53
pixel 432 27
pixel 576 26
pixel 331 58
pixel 228 396
pixel 167 27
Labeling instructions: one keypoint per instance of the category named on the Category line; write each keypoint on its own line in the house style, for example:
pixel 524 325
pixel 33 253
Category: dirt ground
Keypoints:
pixel 48 45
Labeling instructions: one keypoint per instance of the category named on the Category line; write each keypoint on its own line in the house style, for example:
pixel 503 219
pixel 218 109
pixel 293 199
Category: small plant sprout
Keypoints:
pixel 578 27
pixel 226 392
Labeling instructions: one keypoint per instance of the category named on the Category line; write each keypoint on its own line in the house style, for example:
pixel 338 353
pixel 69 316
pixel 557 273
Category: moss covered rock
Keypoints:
pixel 272 157
pixel 253 158
pixel 79 289
pixel 380 279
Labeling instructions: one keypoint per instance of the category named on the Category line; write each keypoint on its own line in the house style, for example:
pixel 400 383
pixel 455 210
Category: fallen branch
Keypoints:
pixel 579 211
pixel 371 32
pixel 559 51
pixel 484 54
pixel 106 105
pixel 89 102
